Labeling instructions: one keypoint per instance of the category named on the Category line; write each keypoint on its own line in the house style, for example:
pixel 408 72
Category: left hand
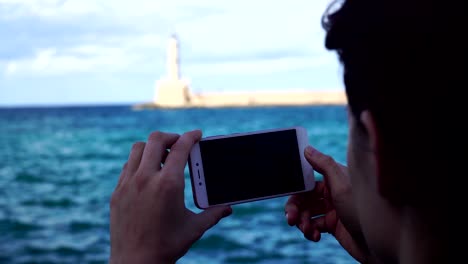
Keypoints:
pixel 149 222
pixel 329 207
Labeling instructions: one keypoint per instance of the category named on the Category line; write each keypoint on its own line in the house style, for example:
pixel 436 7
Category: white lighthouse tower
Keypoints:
pixel 171 91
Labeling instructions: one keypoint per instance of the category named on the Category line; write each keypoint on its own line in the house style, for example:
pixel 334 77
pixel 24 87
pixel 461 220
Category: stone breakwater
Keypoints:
pixel 253 99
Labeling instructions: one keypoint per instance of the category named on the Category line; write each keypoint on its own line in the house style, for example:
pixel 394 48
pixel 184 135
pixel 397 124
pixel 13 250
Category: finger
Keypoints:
pixel 122 176
pixel 318 207
pixel 292 209
pixel 296 206
pixel 318 193
pixel 324 224
pixel 155 150
pixel 312 231
pixel 324 164
pixel 304 223
pixel 211 216
pixel 134 158
pixel 312 201
pixel 178 155
pixel 316 235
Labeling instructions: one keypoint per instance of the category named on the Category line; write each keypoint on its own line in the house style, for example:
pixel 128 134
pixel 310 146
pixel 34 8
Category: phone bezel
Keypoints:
pixel 197 173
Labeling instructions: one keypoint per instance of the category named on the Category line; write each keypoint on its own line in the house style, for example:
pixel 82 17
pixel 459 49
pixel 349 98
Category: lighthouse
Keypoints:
pixel 172 60
pixel 171 91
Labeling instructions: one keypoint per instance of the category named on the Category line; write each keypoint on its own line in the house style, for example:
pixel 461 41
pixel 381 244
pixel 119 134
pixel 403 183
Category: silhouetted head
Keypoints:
pixel 403 74
pixel 403 61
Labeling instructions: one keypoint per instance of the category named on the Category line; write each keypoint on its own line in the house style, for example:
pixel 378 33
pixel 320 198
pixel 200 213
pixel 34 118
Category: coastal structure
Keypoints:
pixel 173 92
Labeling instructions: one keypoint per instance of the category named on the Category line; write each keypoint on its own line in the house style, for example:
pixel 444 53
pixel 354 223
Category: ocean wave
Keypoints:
pixel 58 168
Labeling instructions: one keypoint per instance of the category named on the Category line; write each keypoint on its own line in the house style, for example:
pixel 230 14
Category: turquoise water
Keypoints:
pixel 58 168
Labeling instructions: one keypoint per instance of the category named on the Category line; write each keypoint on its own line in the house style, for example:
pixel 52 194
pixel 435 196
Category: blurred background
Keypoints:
pixel 71 73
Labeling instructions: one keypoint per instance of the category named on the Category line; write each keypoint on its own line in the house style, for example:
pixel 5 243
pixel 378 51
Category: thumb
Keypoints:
pixel 211 216
pixel 325 165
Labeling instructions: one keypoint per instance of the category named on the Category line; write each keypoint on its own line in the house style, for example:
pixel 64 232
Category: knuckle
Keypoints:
pixel 168 182
pixel 171 172
pixel 166 179
pixel 156 136
pixel 166 185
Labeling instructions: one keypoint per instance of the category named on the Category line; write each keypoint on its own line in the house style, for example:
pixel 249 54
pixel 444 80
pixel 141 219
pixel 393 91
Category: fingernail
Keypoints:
pixel 198 131
pixel 309 150
pixel 315 236
pixel 227 212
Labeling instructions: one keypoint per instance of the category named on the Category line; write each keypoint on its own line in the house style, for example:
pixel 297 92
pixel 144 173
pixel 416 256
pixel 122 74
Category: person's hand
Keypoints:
pixel 329 207
pixel 149 222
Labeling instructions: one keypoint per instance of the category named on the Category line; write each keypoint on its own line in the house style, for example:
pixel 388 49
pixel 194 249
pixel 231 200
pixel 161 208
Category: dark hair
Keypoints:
pixel 402 62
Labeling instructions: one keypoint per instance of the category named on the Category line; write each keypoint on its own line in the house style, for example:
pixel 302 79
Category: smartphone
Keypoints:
pixel 246 167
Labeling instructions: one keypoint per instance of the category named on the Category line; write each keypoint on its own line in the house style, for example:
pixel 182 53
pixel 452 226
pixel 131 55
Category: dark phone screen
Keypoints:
pixel 251 166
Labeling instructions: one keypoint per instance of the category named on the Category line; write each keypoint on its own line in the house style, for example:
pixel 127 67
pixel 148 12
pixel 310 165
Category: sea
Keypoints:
pixel 59 167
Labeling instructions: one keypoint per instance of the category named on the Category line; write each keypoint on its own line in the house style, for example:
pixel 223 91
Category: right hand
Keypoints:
pixel 149 222
pixel 329 207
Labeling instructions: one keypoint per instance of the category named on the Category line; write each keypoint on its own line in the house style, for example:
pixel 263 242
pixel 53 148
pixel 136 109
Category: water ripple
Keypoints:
pixel 59 166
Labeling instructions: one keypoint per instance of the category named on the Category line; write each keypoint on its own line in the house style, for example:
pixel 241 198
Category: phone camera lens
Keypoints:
pixel 196 164
pixel 199 183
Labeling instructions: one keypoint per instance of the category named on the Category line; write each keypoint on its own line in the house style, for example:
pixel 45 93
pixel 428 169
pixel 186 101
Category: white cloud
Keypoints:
pixel 46 8
pixel 11 68
pixel 256 67
pixel 111 56
pixel 138 31
pixel 49 62
pixel 66 9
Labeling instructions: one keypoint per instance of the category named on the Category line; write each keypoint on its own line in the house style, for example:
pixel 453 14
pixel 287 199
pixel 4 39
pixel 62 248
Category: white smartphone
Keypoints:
pixel 245 167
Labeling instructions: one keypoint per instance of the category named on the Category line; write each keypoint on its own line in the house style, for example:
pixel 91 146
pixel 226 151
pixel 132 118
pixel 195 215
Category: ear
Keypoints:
pixel 374 139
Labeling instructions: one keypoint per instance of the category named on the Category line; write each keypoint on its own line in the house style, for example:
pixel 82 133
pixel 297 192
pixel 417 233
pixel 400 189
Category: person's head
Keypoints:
pixel 401 73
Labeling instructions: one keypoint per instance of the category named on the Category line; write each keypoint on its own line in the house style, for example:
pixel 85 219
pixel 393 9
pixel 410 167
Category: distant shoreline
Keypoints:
pixel 132 105
pixel 77 105
pixel 170 97
pixel 153 106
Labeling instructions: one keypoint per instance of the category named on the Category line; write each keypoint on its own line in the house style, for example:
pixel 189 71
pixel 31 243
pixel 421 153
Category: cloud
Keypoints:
pixel 50 62
pixel 46 8
pixel 255 67
pixel 60 37
pixel 127 11
pixel 112 55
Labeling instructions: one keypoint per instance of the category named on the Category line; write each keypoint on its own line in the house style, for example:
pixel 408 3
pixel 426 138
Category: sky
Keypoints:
pixel 72 52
